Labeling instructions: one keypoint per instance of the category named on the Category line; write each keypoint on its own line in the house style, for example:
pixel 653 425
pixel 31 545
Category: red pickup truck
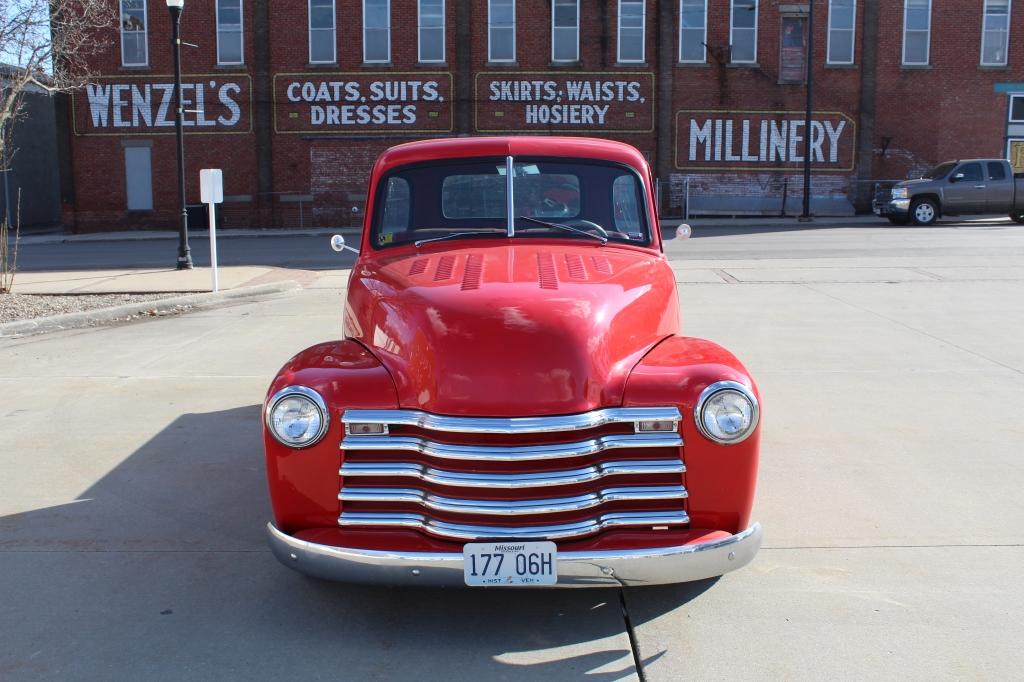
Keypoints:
pixel 512 402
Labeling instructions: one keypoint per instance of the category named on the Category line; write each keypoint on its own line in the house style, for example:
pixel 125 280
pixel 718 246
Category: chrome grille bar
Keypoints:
pixel 513 507
pixel 517 480
pixel 512 453
pixel 572 422
pixel 458 531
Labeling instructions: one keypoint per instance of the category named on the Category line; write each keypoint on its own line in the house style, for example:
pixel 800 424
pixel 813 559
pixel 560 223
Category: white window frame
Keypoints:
pixel 643 33
pixel 853 37
pixel 577 27
pixel 386 60
pixel 333 29
pixel 732 27
pixel 984 26
pixel 144 32
pixel 704 40
pixel 928 44
pixel 419 33
pixel 490 25
pixel 1009 111
pixel 241 32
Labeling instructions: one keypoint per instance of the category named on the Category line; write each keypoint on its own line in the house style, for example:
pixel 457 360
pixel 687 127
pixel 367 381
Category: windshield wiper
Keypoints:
pixel 603 238
pixel 454 235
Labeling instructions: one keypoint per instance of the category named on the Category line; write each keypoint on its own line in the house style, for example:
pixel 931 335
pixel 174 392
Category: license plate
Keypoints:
pixel 510 563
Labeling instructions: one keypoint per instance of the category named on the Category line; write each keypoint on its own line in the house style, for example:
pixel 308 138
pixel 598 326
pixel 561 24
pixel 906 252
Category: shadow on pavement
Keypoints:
pixel 160 570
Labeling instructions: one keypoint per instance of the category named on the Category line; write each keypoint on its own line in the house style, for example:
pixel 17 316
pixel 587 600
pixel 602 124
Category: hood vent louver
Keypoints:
pixel 546 275
pixel 575 265
pixel 418 266
pixel 474 269
pixel 444 268
pixel 602 264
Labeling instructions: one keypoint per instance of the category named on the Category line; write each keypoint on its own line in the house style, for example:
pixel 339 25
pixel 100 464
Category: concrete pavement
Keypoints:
pixel 133 496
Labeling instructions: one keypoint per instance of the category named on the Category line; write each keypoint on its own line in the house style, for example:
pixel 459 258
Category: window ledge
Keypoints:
pixel 575 64
pixel 136 67
pixel 694 65
pixel 322 65
pixel 993 67
pixel 915 67
pixel 377 65
pixel 743 65
pixel 502 65
pixel 841 67
pixel 230 67
pixel 432 65
pixel 634 65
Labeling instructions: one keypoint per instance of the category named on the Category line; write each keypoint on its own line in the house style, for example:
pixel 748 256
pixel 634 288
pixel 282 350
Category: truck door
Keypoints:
pixel 1000 187
pixel 965 191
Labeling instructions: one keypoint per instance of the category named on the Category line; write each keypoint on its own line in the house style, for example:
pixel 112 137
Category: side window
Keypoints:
pixel 996 171
pixel 395 217
pixel 971 171
pixel 625 209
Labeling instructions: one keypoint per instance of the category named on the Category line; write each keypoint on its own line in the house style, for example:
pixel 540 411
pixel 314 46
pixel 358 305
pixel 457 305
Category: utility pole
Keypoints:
pixel 806 214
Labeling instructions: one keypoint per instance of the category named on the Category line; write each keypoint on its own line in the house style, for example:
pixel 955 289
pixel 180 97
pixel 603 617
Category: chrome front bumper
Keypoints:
pixel 657 566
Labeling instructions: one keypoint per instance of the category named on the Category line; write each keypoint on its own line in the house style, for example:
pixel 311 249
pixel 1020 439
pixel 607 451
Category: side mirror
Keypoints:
pixel 957 178
pixel 683 231
pixel 339 245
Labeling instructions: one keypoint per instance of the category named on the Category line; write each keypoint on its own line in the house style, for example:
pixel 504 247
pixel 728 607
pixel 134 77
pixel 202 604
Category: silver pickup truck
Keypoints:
pixel 967 187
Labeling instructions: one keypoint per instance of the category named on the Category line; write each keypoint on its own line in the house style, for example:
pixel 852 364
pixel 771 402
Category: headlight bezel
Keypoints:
pixel 304 392
pixel 719 387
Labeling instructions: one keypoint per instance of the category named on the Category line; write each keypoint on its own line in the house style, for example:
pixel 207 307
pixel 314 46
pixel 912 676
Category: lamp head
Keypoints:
pixel 176 4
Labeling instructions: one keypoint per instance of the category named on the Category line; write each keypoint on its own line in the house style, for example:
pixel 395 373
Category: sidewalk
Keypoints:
pixel 136 281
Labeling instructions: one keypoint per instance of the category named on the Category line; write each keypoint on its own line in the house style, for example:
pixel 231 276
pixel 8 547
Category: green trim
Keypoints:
pixel 1008 87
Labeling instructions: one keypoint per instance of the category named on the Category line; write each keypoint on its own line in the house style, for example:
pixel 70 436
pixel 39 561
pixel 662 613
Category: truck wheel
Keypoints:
pixel 924 212
pixel 1017 217
pixel 898 220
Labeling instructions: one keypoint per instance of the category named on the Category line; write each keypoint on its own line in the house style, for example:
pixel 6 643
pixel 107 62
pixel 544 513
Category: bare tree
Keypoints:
pixel 46 44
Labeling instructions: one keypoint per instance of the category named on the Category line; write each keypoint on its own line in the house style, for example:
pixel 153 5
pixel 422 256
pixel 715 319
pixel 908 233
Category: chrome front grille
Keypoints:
pixel 467 478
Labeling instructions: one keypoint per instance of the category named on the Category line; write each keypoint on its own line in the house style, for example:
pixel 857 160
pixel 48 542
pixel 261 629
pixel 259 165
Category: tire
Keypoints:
pixel 898 220
pixel 924 212
pixel 1017 217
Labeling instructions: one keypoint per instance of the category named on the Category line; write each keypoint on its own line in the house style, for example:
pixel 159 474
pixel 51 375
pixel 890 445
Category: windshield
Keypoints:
pixel 940 171
pixel 468 198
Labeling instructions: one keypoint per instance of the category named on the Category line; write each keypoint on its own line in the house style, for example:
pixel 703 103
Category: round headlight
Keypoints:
pixel 297 416
pixel 727 412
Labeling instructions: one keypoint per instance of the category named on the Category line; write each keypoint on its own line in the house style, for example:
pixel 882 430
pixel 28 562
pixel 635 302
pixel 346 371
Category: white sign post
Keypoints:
pixel 211 192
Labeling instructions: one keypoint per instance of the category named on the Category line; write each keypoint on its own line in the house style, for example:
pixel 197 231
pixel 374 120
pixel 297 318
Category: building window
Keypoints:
pixel 133 33
pixel 138 178
pixel 501 30
pixel 565 31
pixel 376 31
pixel 431 26
pixel 693 31
pixel 632 25
pixel 995 32
pixel 743 32
pixel 917 31
pixel 229 32
pixel 842 18
pixel 321 32
pixel 1016 108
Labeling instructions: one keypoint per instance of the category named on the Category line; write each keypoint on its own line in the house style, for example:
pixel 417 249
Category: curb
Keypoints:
pixel 148 235
pixel 90 318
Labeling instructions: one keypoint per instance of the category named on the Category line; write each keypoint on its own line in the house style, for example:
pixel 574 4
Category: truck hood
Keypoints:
pixel 914 183
pixel 512 330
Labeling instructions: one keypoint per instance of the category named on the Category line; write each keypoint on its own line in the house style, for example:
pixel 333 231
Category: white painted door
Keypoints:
pixel 138 173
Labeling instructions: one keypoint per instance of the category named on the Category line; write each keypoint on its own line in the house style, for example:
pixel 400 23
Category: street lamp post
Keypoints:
pixel 806 214
pixel 184 253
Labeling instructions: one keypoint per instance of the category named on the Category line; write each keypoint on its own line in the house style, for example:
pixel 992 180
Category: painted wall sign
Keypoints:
pixel 582 101
pixel 144 105
pixel 362 103
pixel 763 140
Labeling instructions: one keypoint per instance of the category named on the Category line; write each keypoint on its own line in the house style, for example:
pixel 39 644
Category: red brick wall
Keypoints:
pixel 946 110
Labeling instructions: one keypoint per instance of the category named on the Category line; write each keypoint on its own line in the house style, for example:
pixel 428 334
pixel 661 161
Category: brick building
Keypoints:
pixel 294 99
